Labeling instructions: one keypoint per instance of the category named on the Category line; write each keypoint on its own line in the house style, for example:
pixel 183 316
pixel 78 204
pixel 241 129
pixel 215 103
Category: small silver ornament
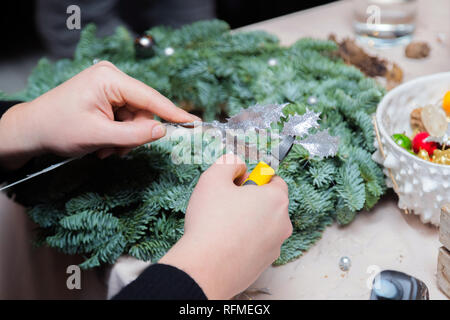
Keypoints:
pixel 95 61
pixel 169 51
pixel 345 263
pixel 144 46
pixel 272 62
pixel 145 42
pixel 312 100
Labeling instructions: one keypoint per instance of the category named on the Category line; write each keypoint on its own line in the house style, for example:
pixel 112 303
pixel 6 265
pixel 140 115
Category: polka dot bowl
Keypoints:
pixel 423 187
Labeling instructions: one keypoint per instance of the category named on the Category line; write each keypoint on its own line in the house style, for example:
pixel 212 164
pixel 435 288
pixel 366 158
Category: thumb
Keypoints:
pixel 130 134
pixel 227 168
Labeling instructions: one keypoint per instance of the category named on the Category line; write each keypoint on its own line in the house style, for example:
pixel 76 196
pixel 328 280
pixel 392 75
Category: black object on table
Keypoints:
pixel 396 285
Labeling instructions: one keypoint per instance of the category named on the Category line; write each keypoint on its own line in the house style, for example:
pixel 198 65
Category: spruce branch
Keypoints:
pixel 135 205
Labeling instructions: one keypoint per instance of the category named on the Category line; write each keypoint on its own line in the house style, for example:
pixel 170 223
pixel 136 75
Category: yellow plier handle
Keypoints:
pixel 260 175
pixel 263 172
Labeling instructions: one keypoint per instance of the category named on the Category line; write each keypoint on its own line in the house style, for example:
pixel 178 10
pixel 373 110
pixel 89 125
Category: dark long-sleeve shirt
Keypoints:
pixel 162 282
pixel 5 105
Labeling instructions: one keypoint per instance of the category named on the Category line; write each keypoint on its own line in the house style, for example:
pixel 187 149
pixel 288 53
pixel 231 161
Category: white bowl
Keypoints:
pixel 423 186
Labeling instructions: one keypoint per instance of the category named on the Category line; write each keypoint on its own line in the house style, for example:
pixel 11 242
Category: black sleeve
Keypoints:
pixel 5 105
pixel 162 282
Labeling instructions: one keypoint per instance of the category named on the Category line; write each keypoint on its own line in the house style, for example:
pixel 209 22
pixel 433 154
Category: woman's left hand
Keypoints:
pixel 100 109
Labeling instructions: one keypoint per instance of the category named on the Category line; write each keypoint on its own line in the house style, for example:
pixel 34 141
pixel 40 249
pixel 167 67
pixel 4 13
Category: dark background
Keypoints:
pixel 242 12
pixel 19 33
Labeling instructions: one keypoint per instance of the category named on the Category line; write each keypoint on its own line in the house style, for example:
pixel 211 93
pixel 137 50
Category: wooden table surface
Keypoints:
pixel 384 238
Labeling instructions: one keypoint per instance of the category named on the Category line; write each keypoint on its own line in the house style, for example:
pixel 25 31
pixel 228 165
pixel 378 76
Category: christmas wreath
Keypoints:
pixel 135 205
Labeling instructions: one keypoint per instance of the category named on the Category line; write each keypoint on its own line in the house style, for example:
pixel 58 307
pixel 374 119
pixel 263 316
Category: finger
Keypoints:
pixel 227 168
pixel 240 180
pixel 127 90
pixel 130 134
pixel 277 182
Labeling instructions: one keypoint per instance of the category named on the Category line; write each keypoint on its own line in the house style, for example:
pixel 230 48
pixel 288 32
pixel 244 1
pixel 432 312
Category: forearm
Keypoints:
pixel 197 258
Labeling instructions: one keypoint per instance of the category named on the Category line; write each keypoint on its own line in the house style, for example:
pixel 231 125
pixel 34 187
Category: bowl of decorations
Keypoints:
pixel 413 144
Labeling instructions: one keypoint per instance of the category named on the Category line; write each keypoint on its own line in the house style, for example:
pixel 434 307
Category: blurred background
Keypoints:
pixel 32 29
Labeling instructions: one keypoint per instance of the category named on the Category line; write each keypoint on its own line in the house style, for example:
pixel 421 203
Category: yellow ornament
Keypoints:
pixel 441 156
pixel 423 154
pixel 446 103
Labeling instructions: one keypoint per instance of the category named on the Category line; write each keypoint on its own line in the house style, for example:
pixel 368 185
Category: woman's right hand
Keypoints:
pixel 232 233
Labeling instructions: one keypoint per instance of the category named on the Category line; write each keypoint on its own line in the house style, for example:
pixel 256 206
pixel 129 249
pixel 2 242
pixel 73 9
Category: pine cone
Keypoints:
pixel 416 120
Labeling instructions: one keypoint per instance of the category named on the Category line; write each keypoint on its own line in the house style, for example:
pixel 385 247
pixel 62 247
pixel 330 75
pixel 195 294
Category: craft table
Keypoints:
pixel 384 238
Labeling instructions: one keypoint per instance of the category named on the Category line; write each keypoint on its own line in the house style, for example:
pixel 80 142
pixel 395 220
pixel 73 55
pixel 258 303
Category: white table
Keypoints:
pixel 384 238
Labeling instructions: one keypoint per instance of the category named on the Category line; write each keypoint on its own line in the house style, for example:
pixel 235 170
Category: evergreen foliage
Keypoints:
pixel 135 205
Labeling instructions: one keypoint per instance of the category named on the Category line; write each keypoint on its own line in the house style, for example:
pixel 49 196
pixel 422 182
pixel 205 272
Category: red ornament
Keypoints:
pixel 419 143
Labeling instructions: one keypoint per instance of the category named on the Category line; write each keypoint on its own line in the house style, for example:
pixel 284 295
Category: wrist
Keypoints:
pixel 19 139
pixel 194 258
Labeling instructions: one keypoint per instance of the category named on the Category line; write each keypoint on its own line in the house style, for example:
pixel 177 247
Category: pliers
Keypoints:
pixel 264 170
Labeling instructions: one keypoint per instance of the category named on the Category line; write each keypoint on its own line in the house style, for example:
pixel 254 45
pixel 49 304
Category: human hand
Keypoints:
pixel 232 233
pixel 100 109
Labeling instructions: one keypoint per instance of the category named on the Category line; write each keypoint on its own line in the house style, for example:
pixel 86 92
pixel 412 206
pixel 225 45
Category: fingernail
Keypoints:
pixel 196 118
pixel 158 131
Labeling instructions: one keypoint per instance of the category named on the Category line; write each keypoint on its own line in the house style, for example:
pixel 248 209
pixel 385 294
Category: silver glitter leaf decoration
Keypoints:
pixel 256 117
pixel 259 117
pixel 299 125
pixel 246 150
pixel 320 144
